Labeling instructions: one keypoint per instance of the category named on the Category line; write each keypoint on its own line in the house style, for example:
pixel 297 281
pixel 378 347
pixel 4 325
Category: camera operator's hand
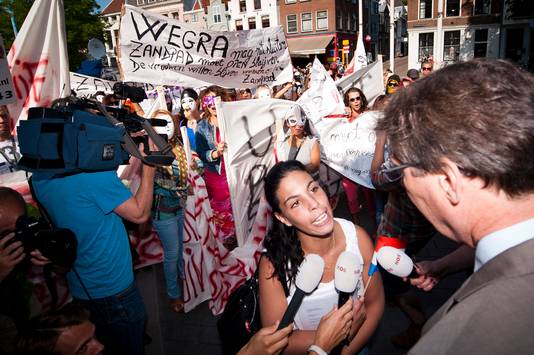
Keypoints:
pixel 10 255
pixel 38 259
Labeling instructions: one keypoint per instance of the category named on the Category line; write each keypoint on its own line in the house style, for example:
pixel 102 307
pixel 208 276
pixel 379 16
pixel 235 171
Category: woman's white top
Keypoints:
pixel 325 296
pixel 304 153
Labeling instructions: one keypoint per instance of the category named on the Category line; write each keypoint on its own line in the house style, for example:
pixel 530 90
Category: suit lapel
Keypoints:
pixel 513 262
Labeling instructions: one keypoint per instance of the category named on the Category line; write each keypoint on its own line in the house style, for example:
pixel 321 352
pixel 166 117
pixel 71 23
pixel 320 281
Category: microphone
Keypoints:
pixel 382 241
pixel 396 262
pixel 308 277
pixel 346 276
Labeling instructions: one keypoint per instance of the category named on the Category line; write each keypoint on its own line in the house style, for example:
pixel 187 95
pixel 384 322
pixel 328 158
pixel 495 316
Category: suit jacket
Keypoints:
pixel 491 313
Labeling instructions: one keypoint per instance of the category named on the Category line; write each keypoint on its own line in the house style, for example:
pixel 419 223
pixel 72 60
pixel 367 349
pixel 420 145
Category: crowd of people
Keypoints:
pixel 452 157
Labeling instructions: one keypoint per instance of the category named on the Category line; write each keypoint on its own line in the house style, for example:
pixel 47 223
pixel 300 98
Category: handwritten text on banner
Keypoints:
pixel 160 50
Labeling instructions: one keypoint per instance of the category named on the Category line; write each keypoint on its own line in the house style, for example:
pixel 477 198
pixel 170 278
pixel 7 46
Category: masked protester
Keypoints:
pixel 189 103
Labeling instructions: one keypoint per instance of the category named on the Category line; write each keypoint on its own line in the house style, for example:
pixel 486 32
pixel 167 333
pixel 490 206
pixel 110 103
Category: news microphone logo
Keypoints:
pixel 396 262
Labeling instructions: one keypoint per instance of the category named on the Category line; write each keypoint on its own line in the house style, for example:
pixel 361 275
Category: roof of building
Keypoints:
pixel 113 7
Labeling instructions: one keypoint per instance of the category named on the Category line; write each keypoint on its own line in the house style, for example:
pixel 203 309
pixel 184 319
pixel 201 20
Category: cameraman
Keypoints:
pixel 91 204
pixel 14 306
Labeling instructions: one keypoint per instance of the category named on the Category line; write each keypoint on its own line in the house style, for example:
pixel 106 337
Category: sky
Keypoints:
pixel 103 3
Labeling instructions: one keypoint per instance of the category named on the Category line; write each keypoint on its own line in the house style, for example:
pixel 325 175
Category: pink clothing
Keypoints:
pixel 352 190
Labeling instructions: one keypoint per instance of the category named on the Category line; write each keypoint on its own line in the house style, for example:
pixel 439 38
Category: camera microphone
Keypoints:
pixel 308 277
pixel 396 262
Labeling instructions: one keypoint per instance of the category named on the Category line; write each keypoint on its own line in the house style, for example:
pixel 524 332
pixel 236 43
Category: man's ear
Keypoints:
pixel 450 181
pixel 282 219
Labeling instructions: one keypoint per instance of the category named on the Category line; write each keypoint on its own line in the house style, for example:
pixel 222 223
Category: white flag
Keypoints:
pixel 361 57
pixel 38 59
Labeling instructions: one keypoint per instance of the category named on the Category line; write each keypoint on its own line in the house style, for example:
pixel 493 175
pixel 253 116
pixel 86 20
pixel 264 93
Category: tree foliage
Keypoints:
pixel 81 20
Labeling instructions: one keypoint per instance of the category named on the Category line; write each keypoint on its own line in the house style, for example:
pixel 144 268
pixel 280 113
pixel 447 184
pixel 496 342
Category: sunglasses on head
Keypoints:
pixel 357 98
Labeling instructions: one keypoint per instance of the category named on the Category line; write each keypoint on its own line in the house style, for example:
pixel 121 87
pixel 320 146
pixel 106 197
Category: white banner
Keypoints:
pixel 369 79
pixel 38 59
pixel 248 127
pixel 89 85
pixel 346 147
pixel 7 93
pixel 160 50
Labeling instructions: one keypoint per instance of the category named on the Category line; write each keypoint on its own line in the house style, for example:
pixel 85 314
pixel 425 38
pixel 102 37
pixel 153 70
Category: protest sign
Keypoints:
pixel 248 127
pixel 38 59
pixel 7 93
pixel 86 86
pixel 369 79
pixel 163 51
pixel 346 147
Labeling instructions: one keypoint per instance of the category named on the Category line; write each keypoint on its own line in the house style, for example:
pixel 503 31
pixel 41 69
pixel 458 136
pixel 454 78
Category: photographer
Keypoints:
pixel 91 205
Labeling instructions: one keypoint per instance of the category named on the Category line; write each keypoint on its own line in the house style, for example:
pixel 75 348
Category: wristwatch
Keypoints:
pixel 316 349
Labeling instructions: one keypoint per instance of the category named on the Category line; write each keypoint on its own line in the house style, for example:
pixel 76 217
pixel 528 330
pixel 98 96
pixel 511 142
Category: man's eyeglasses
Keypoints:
pixel 352 99
pixel 426 68
pixel 392 172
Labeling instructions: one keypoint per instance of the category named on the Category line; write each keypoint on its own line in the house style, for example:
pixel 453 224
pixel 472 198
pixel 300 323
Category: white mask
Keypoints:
pixel 188 104
pixel 167 129
pixel 294 117
pixel 264 94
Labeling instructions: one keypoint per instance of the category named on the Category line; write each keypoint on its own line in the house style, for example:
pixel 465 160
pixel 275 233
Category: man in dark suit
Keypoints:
pixel 463 143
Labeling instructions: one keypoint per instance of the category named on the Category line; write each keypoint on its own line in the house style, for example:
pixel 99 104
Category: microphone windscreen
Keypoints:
pixel 395 261
pixel 346 274
pixel 310 273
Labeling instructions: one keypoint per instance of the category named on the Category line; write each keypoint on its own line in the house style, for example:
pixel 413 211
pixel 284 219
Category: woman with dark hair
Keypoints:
pixel 191 113
pixel 304 224
pixel 356 104
pixel 170 195
pixel 299 144
pixel 210 149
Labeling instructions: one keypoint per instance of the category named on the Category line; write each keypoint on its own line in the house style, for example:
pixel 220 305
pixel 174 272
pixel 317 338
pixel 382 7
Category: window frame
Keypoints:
pixel 475 7
pixel 216 11
pixel 446 47
pixel 459 8
pixel 242 9
pixel 263 17
pixel 485 42
pixel 431 10
pixel 317 28
pixel 427 47
pixel 310 20
pixel 296 23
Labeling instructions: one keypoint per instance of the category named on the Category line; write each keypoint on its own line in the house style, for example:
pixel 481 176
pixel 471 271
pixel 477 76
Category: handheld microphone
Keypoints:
pixel 382 241
pixel 308 277
pixel 396 262
pixel 346 276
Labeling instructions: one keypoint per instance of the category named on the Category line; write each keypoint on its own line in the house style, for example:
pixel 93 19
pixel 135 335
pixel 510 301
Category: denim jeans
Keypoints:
pixel 119 320
pixel 171 235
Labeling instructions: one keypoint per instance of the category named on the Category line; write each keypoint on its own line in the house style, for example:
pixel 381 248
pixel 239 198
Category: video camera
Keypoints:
pixel 58 245
pixel 80 134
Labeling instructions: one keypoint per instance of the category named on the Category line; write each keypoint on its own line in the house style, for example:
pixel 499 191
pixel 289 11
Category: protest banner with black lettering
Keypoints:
pixel 86 86
pixel 7 93
pixel 163 51
pixel 346 146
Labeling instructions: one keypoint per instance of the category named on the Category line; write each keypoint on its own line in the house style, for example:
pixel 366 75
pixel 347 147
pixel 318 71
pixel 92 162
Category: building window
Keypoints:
pixel 347 24
pixel 481 43
pixel 291 23
pixel 425 9
pixel 194 18
pixel 216 14
pixel 426 46
pixel 251 23
pixel 482 7
pixel 339 20
pixel 291 1
pixel 242 6
pixel 322 21
pixel 354 22
pixel 265 22
pixel 306 22
pixel 140 2
pixel 257 4
pixel 451 46
pixel 453 8
pixel 238 25
pixel 175 15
